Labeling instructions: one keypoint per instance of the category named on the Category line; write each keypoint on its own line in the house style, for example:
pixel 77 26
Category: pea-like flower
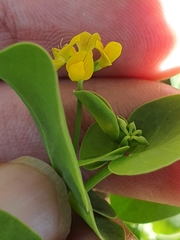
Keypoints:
pixel 109 54
pixel 78 55
pixel 62 55
pixel 80 66
pixel 87 41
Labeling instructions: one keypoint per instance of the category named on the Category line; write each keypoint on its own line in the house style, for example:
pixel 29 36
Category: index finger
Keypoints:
pixel 147 30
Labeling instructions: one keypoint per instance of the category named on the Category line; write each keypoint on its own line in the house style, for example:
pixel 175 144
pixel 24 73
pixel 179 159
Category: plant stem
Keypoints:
pixel 78 120
pixel 97 178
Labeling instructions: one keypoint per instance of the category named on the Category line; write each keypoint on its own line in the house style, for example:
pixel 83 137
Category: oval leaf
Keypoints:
pixel 139 211
pixel 100 111
pixel 96 143
pixel 28 69
pixel 12 228
pixel 109 229
pixel 103 227
pixel 101 206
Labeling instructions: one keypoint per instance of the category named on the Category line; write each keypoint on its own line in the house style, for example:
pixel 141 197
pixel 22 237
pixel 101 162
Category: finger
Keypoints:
pixel 147 30
pixel 32 196
pixel 162 186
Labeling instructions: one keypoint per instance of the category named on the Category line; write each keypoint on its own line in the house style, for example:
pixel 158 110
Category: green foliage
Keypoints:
pixel 159 124
pixel 11 228
pixel 101 111
pixel 102 225
pixel 28 69
pixel 97 148
pixel 167 226
pixel 139 211
pixel 101 206
pixel 148 141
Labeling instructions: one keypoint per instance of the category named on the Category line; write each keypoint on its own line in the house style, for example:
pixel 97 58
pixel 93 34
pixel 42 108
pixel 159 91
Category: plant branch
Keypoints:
pixel 97 178
pixel 78 121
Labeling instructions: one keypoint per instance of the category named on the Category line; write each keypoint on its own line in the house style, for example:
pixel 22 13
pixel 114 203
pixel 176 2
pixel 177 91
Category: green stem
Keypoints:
pixel 78 120
pixel 97 178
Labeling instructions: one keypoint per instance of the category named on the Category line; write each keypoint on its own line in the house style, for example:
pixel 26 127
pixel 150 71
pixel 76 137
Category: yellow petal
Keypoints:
pixel 113 50
pixel 87 41
pixel 58 63
pixel 80 66
pixel 77 57
pixel 92 41
pixel 75 39
pixel 66 51
pixel 88 66
pixel 99 45
pixel 76 71
pixel 84 39
pixel 55 52
pixel 75 66
pixel 103 61
pixel 108 54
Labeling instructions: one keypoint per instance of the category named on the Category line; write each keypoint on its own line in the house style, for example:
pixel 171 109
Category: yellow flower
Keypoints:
pixel 62 55
pixel 109 54
pixel 80 66
pixel 87 41
pixel 78 55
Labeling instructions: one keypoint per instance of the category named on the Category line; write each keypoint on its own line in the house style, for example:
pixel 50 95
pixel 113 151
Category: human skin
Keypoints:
pixel 149 38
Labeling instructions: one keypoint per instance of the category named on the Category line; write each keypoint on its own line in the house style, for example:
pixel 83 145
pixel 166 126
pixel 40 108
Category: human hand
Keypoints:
pixel 148 39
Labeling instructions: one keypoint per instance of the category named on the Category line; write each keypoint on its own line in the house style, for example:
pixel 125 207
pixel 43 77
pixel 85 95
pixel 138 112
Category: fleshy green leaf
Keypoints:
pixel 100 111
pixel 106 157
pixel 95 144
pixel 28 69
pixel 12 228
pixel 101 206
pixel 159 123
pixel 94 166
pixel 109 229
pixel 97 148
pixel 139 211
pixel 103 227
pixel 167 226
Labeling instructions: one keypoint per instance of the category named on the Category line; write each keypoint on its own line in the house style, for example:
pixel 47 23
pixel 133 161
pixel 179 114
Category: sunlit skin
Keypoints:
pixel 148 36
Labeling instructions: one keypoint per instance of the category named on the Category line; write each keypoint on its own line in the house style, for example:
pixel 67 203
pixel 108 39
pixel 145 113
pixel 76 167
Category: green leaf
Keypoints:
pixel 94 166
pixel 100 111
pixel 12 228
pixel 103 227
pixel 28 69
pixel 167 226
pixel 159 123
pixel 95 144
pixel 109 229
pixel 101 206
pixel 139 211
pixel 106 157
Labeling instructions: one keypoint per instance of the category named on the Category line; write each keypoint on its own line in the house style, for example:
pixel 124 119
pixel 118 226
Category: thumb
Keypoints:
pixel 37 196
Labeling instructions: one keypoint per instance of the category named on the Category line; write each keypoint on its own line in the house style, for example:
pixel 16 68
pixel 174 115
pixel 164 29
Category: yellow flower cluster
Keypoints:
pixel 79 61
